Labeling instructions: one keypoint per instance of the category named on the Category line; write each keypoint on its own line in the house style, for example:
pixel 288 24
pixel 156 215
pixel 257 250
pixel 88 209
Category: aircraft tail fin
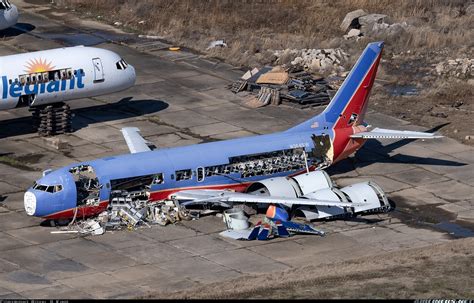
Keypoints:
pixel 349 105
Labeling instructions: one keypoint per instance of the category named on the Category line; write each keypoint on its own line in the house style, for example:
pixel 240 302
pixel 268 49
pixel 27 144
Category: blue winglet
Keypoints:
pixel 265 233
pixel 282 231
pixel 254 233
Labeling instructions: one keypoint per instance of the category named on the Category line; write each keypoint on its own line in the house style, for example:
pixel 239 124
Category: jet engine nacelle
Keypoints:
pixel 320 212
pixel 369 194
pixel 292 187
pixel 366 196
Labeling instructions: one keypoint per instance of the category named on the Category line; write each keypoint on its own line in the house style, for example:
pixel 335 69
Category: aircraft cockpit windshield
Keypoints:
pixel 48 188
pixel 122 64
pixel 5 5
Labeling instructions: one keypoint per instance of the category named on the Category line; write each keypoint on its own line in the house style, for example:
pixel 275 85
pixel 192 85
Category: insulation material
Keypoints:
pixel 278 78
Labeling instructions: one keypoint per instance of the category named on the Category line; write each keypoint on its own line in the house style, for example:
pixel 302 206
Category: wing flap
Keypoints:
pixel 381 133
pixel 135 142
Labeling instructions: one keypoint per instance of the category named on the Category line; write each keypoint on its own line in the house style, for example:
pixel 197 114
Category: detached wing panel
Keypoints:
pixel 381 133
pixel 227 197
pixel 135 142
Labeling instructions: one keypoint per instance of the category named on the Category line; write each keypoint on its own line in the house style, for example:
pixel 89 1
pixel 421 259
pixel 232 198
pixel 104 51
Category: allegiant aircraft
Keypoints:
pixel 8 14
pixel 283 168
pixel 51 76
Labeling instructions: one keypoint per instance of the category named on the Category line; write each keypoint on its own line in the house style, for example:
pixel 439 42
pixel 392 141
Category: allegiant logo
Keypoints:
pixel 16 89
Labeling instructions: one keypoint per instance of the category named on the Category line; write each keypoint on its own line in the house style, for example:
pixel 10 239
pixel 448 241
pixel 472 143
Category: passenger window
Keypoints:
pixel 158 179
pixel 185 174
pixel 200 174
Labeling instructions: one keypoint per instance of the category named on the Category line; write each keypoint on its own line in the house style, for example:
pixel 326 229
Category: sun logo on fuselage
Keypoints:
pixel 38 66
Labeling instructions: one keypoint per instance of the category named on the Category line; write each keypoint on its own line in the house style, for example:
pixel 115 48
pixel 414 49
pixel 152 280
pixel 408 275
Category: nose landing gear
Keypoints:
pixel 52 119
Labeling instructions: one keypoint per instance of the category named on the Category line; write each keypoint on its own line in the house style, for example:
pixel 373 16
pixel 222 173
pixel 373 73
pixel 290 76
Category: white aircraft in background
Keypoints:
pixel 8 14
pixel 51 76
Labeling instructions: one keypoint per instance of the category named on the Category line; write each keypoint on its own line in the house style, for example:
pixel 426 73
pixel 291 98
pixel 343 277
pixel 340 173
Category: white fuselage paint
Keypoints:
pixel 8 16
pixel 62 74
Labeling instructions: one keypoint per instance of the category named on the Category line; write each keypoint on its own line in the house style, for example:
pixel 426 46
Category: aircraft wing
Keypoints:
pixel 380 133
pixel 135 142
pixel 226 198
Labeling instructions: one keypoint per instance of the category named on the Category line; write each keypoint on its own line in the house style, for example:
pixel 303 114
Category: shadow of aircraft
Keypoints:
pixel 373 151
pixel 125 108
pixel 16 30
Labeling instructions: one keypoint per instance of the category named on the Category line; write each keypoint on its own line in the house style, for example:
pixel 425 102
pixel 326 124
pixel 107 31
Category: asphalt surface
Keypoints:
pixel 181 98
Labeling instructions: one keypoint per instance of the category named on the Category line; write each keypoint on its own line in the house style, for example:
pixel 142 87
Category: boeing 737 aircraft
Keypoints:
pixel 284 168
pixel 8 14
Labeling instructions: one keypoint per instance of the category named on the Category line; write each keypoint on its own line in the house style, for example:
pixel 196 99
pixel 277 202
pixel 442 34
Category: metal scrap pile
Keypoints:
pixel 275 85
pixel 129 210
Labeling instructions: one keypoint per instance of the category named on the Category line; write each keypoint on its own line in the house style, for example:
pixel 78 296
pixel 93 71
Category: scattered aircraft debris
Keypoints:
pixel 131 211
pixel 274 224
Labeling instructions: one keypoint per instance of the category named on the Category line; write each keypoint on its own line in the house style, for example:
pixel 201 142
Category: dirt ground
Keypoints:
pixel 407 85
pixel 437 271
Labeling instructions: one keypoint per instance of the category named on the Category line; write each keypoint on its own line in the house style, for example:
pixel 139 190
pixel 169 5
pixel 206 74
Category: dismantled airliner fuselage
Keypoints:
pixel 282 168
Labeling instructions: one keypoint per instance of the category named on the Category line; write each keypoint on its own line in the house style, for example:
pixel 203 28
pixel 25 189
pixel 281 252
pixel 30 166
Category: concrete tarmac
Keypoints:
pixel 181 98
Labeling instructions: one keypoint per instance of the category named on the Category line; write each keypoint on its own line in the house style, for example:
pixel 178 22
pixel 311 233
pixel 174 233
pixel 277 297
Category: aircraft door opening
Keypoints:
pixel 322 153
pixel 98 70
pixel 200 174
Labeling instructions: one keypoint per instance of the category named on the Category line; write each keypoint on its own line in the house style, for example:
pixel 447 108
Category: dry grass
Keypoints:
pixel 252 27
pixel 439 30
pixel 442 270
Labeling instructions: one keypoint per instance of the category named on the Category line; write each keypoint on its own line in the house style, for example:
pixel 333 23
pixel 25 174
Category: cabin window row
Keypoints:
pixel 44 77
pixel 251 165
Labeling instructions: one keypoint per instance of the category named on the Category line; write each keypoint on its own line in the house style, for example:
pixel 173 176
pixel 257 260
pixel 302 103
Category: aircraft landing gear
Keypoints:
pixel 52 119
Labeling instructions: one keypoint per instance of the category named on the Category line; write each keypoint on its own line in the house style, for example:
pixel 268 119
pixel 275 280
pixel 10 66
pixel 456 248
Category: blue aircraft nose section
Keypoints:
pixel 51 194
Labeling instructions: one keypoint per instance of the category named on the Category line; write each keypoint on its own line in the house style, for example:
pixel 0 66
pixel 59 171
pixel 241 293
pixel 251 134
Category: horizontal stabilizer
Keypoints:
pixel 380 133
pixel 135 142
pixel 302 228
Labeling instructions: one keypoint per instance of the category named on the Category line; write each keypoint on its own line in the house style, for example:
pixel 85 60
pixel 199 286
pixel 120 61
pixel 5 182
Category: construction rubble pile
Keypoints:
pixel 130 211
pixel 276 85
pixel 314 60
pixel 359 23
pixel 459 68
